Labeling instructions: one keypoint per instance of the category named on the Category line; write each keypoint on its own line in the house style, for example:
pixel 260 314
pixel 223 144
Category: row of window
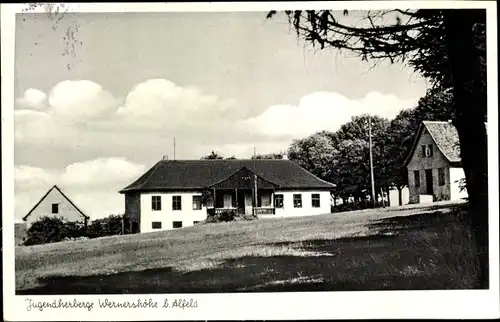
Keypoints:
pixel 297 200
pixel 176 203
pixel 175 224
pixel 441 177
pixel 278 201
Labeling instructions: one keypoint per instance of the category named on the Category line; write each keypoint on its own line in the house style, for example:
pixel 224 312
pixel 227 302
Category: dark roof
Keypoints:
pixel 62 193
pixel 445 136
pixel 199 174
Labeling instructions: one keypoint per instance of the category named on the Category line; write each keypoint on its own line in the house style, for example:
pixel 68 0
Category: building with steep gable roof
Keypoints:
pixel 434 164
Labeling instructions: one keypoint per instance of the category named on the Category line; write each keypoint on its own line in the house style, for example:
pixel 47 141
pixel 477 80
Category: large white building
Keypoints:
pixel 172 193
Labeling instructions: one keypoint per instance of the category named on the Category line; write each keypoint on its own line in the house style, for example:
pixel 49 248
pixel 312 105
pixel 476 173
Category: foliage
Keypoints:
pixel 212 156
pixel 248 217
pixel 52 229
pixel 207 197
pixel 277 156
pixel 314 153
pixel 364 204
pixel 461 185
pixel 224 216
pixel 111 225
pixel 342 157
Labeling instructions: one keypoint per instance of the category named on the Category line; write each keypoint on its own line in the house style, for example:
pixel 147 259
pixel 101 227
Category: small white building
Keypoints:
pixel 55 204
pixel 434 164
pixel 171 193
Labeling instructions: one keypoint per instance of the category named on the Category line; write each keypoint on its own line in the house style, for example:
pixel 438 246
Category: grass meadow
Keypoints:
pixel 417 247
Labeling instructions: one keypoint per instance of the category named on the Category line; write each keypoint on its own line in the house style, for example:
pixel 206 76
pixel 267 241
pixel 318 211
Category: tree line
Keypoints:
pixel 53 229
pixel 342 157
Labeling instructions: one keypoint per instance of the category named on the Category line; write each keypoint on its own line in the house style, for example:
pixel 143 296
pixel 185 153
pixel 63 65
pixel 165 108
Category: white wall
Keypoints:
pixel 289 211
pixel 66 209
pixel 455 175
pixel 166 215
pixel 394 196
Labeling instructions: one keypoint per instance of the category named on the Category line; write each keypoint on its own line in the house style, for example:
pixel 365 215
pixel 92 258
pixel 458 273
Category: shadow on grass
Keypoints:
pixel 423 251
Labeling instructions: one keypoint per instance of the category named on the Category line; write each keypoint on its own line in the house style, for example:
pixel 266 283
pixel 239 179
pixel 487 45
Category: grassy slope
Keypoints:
pixel 403 248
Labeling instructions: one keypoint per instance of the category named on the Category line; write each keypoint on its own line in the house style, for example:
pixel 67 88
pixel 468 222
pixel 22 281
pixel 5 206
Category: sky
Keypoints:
pixel 100 96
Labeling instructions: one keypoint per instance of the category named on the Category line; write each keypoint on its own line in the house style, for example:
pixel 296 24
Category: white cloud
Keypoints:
pixel 33 98
pixel 100 171
pixel 31 177
pixel 80 100
pixel 324 111
pixel 159 103
pixel 82 114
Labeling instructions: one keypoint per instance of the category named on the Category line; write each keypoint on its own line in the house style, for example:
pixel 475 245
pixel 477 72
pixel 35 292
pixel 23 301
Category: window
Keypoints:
pixel 55 208
pixel 297 201
pixel 156 225
pixel 196 202
pixel 416 175
pixel 278 201
pixel 156 202
pixel 427 150
pixel 430 152
pixel 441 176
pixel 177 224
pixel 315 200
pixel 265 200
pixel 176 203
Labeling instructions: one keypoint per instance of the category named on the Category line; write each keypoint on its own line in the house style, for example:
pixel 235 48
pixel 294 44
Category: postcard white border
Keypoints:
pixel 314 305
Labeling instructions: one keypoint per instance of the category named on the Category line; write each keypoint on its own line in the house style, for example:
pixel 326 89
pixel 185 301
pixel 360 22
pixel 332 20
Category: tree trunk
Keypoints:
pixel 470 111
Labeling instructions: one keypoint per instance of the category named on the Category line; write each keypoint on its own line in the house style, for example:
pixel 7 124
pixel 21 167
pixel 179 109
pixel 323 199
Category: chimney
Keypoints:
pixel 165 158
pixel 285 156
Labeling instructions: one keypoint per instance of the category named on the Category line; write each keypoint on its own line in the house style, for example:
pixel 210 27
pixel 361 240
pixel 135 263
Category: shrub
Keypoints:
pixel 227 215
pixel 355 206
pixel 224 216
pixel 111 225
pixel 248 217
pixel 51 230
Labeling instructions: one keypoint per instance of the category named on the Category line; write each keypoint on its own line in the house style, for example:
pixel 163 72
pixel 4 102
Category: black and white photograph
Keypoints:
pixel 185 151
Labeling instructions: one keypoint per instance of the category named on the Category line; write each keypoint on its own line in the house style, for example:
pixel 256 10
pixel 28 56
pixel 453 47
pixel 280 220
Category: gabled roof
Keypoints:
pixel 200 174
pixel 62 193
pixel 444 134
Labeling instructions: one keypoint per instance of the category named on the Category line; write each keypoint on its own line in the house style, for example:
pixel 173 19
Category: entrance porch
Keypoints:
pixel 242 201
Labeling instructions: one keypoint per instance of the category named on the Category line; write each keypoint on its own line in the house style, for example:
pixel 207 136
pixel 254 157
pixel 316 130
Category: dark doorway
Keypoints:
pixel 135 227
pixel 428 182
